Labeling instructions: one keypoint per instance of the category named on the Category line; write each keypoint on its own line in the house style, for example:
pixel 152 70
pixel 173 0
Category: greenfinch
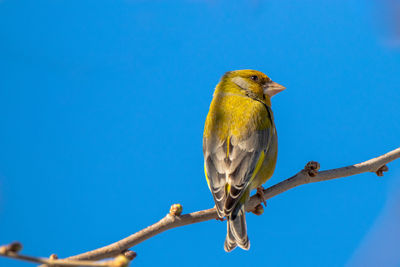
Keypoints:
pixel 240 146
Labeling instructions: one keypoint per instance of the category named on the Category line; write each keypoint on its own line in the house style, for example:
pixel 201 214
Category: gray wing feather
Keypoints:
pixel 216 172
pixel 236 169
pixel 244 157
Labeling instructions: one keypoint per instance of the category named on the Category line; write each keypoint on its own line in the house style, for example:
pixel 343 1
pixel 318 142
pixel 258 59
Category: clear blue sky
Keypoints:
pixel 102 109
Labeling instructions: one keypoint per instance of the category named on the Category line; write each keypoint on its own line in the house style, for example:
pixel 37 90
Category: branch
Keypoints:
pixel 11 251
pixel 308 175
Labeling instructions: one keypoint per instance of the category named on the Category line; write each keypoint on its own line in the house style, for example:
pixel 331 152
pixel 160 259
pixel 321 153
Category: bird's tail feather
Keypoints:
pixel 237 230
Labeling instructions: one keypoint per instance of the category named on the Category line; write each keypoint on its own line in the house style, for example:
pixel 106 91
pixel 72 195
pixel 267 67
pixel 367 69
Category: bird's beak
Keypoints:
pixel 272 88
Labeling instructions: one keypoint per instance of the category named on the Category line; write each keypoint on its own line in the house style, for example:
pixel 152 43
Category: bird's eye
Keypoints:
pixel 254 78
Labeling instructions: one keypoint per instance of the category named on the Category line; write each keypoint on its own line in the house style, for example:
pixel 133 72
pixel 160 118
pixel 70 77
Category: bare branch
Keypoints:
pixel 376 165
pixel 168 222
pixel 310 174
pixel 11 251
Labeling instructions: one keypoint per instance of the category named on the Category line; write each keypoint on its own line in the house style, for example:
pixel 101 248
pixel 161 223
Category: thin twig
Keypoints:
pixel 51 262
pixel 309 174
pixel 12 251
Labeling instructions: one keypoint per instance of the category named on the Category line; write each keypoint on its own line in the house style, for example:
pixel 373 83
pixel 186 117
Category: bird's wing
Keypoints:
pixel 215 170
pixel 246 158
pixel 231 164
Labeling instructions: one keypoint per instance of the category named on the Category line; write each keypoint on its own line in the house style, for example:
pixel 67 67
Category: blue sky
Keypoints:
pixel 103 105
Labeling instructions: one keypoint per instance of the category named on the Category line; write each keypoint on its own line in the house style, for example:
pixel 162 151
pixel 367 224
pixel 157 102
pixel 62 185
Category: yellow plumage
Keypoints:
pixel 239 146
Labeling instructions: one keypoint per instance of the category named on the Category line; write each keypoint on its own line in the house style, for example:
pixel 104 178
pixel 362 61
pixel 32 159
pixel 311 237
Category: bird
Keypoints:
pixel 240 146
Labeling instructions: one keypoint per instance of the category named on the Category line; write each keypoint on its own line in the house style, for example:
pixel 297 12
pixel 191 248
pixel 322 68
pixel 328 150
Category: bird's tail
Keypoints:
pixel 237 230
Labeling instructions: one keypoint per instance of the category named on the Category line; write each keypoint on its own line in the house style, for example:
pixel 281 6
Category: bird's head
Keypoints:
pixel 251 83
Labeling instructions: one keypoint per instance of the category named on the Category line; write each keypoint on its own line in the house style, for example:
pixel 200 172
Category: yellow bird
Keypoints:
pixel 240 146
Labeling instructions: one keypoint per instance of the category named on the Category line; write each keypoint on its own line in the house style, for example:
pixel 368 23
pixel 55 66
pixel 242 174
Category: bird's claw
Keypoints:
pixel 260 193
pixel 258 210
pixel 382 169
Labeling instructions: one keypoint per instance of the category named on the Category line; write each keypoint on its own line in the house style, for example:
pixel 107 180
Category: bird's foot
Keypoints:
pixel 260 193
pixel 258 210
